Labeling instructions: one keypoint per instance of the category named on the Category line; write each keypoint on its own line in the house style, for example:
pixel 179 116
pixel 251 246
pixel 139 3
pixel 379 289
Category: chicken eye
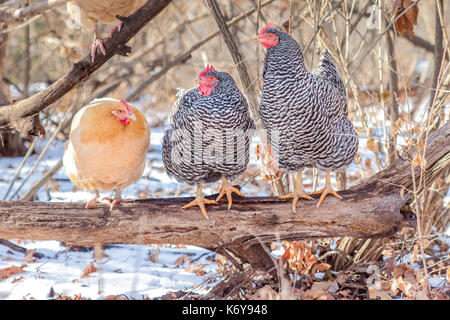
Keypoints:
pixel 211 78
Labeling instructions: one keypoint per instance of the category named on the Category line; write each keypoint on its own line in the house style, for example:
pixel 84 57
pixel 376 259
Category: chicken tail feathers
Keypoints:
pixel 327 69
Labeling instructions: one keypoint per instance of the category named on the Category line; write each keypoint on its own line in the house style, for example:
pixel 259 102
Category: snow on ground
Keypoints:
pixel 127 269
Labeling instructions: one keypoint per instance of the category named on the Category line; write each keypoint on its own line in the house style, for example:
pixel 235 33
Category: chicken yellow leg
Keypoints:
pixel 200 201
pixel 228 189
pixel 328 189
pixel 299 192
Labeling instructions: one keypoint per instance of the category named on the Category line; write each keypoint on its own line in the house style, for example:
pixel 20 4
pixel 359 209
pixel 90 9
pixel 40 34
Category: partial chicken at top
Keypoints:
pixel 88 13
pixel 304 113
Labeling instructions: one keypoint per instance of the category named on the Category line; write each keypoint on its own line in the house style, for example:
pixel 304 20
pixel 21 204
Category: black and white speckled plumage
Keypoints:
pixel 305 113
pixel 209 135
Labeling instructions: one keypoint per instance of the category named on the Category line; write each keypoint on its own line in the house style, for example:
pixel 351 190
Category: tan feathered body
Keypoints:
pixel 88 12
pixel 102 153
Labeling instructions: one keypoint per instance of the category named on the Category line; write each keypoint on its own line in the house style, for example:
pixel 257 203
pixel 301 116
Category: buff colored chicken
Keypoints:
pixel 107 147
pixel 88 13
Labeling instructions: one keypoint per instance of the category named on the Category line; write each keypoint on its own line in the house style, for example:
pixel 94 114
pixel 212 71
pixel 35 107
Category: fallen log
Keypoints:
pixel 155 221
pixel 373 209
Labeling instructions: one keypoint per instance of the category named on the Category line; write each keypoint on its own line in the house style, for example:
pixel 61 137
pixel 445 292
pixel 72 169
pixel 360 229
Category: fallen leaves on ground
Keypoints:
pixel 88 270
pixel 184 258
pixel 7 272
pixel 29 256
pixel 196 268
pixel 299 257
pixel 322 290
pixel 269 167
pixel 264 293
pixel 154 254
pixel 17 279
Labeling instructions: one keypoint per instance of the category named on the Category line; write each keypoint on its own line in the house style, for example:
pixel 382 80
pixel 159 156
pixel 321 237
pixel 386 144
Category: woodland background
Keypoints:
pixel 397 77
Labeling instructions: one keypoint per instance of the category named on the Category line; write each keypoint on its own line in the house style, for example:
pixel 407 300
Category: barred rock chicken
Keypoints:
pixel 209 136
pixel 88 13
pixel 107 147
pixel 304 113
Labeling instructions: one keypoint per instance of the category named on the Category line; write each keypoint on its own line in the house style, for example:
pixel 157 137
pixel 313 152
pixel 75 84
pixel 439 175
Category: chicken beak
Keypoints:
pixel 197 82
pixel 258 39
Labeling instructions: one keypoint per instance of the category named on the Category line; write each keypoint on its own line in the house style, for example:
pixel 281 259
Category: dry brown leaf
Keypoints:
pixel 325 286
pixel 417 160
pixel 357 158
pixel 320 267
pixel 368 163
pixel 406 287
pixel 194 267
pixel 425 243
pixel 200 273
pixel 17 279
pixel 371 145
pixel 269 167
pixel 154 254
pixel 386 95
pixel 29 256
pixel 318 290
pixel 400 270
pixel 274 247
pixel 88 270
pixel 7 272
pixel 184 258
pixel 420 144
pixel 264 293
pixel 383 295
pixel 408 20
pixel 413 12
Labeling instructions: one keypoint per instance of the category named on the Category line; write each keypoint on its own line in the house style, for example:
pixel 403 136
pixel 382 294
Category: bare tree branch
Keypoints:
pixel 23 115
pixel 10 14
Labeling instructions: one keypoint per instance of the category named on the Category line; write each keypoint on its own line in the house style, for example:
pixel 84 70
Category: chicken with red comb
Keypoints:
pixel 107 148
pixel 304 113
pixel 209 136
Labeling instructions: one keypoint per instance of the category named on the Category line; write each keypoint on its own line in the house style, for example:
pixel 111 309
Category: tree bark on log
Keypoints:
pixel 251 220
